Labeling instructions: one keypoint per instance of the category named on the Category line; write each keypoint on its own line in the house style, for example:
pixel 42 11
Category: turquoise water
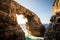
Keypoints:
pixel 27 38
pixel 30 37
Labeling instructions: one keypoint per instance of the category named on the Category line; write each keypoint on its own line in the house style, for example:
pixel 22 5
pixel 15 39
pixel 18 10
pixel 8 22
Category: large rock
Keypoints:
pixel 9 28
pixel 53 31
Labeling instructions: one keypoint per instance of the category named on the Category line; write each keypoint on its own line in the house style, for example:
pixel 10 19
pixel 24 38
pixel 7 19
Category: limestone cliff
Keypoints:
pixel 53 31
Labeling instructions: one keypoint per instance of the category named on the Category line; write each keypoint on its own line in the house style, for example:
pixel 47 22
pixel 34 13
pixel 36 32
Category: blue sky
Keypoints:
pixel 40 7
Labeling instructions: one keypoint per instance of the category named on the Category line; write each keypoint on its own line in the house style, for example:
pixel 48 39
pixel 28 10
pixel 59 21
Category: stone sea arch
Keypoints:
pixel 34 24
pixel 8 21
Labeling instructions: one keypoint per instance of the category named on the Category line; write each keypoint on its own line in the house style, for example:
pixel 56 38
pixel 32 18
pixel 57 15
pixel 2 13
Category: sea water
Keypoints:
pixel 34 38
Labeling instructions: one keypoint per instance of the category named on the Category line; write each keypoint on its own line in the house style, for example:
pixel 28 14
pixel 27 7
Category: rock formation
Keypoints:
pixel 9 28
pixel 53 31
pixel 55 6
pixel 34 25
pixel 8 11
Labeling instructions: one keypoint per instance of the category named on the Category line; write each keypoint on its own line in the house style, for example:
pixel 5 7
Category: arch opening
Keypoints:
pixel 22 20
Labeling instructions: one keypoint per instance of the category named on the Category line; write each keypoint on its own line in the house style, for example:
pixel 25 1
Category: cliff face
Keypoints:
pixel 55 6
pixel 34 25
pixel 53 31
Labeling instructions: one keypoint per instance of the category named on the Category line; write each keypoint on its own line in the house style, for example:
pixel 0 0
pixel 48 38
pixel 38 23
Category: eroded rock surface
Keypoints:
pixel 9 28
pixel 53 31
pixel 55 6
